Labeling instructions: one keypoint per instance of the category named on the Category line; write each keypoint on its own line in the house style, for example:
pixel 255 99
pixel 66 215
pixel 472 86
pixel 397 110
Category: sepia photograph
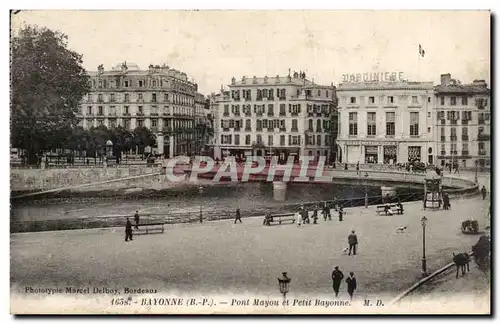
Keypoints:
pixel 251 162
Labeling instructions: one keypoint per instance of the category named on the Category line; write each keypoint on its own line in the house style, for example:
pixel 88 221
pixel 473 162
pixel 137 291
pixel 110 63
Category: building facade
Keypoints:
pixel 273 116
pixel 462 123
pixel 159 98
pixel 385 122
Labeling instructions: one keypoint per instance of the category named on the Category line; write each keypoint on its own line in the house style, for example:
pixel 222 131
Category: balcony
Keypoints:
pixel 465 137
pixel 153 114
pixel 166 114
pixel 480 121
pixel 248 99
pixel 270 130
pixel 483 137
pixel 270 114
pixel 295 113
pixel 236 113
pixel 443 121
pixel 248 129
pixel 259 129
pixel 465 153
pixel 258 99
pixel 443 153
pixel 154 129
pixel 453 138
pixel 225 129
pixel 443 138
pixel 482 152
pixel 282 98
pixel 282 129
pixel 318 130
pixel 453 121
pixel 465 122
pixel 248 114
pixel 126 114
pixel 225 114
pixel 259 113
pixel 237 129
pixel 112 114
pixel 295 129
pixel 282 113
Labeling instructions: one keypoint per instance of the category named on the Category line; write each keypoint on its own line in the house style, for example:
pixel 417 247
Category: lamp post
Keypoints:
pixel 475 177
pixel 424 261
pixel 366 190
pixel 283 283
pixel 200 190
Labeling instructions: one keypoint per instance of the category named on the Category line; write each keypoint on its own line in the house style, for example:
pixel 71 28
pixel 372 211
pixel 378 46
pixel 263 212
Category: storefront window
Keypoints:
pixel 414 153
pixel 371 154
pixel 390 155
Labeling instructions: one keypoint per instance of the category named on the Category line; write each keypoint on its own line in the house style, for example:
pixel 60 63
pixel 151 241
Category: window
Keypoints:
pixel 429 114
pixel 140 83
pixel 453 149
pixel 282 140
pixel 126 124
pixel 165 97
pixel 414 124
pixel 154 122
pixel 139 96
pixel 100 111
pixel 371 124
pixel 126 84
pixel 453 101
pixel 318 125
pixel 248 125
pixel 139 110
pixel 100 122
pixel 112 97
pixel 414 100
pixel 100 83
pixel 126 109
pixel 429 99
pixel 310 125
pixel 294 125
pixel 464 101
pixel 453 134
pixel 154 83
pixel 353 123
pixel 442 101
pixel 237 139
pixel 390 99
pixel 259 138
pixel 140 123
pixel 318 140
pixel 319 93
pixel 282 109
pixel 465 148
pixel 99 98
pixel 443 149
pixel 371 100
pixel 270 140
pixel 428 129
pixel 352 100
pixel 247 139
pixel 153 97
pixel 390 123
pixel 327 93
pixel 127 97
pixel 89 110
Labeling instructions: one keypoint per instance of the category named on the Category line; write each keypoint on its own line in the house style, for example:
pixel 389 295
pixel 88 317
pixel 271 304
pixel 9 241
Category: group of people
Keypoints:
pixel 303 213
pixel 351 282
pixel 128 227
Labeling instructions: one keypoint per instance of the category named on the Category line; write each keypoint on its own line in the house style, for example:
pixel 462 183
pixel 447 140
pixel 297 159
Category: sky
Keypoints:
pixel 213 46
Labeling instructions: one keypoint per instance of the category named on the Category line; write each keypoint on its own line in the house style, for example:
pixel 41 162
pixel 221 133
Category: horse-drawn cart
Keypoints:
pixel 470 227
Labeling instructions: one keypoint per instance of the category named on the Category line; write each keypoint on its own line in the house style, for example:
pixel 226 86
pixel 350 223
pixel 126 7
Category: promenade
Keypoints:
pixel 220 257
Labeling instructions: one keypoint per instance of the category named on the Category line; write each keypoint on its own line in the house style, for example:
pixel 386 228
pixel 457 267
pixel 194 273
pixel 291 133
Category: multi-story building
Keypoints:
pixel 384 119
pixel 273 116
pixel 160 98
pixel 201 123
pixel 462 123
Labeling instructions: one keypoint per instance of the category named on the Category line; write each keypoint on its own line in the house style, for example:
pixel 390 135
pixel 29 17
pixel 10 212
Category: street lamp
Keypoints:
pixel 366 190
pixel 424 261
pixel 475 177
pixel 283 283
pixel 200 190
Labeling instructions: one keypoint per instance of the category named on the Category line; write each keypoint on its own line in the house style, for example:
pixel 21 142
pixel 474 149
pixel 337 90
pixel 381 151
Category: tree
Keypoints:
pixel 144 137
pixel 47 84
pixel 122 140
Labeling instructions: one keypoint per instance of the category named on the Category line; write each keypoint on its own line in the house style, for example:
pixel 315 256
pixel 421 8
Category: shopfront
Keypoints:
pixel 390 154
pixel 414 153
pixel 371 154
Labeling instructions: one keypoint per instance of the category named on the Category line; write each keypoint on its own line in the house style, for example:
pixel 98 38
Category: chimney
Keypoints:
pixel 233 80
pixel 445 79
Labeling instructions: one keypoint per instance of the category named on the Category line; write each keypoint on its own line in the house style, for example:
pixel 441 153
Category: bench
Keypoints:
pixel 392 207
pixel 149 228
pixel 280 218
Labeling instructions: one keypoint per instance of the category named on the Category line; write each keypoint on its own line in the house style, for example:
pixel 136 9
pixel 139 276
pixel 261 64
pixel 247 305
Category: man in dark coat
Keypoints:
pixel 352 239
pixel 128 230
pixel 483 192
pixel 351 284
pixel 337 277
pixel 238 216
pixel 136 219
pixel 341 213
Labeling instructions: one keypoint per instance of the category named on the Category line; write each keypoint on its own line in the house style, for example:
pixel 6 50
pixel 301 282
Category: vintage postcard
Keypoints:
pixel 250 162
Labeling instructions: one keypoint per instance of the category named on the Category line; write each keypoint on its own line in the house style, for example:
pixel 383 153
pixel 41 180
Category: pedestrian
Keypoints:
pixel 136 218
pixel 128 230
pixel 351 284
pixel 449 167
pixel 341 214
pixel 238 216
pixel 298 216
pixel 352 239
pixel 345 166
pixel 337 277
pixel 357 168
pixel 456 169
pixel 483 192
pixel 326 210
pixel 315 214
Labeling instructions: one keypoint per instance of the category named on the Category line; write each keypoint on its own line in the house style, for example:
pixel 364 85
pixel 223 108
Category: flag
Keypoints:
pixel 421 50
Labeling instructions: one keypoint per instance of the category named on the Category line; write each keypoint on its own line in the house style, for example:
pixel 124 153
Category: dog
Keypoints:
pixel 401 229
pixel 345 251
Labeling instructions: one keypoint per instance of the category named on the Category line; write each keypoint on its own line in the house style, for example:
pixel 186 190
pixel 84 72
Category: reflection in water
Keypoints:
pixel 246 196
